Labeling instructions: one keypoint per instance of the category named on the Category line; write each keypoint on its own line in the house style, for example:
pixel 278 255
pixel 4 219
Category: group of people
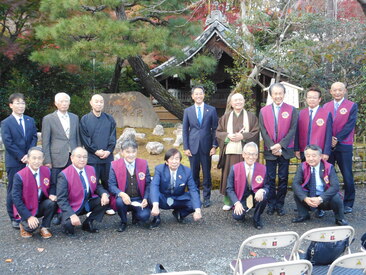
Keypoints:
pixel 74 173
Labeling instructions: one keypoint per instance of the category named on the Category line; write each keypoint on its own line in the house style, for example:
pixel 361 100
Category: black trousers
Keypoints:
pixel 258 211
pixel 47 210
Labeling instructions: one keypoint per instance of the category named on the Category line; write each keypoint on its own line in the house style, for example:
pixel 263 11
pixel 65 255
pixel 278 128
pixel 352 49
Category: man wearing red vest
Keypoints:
pixel 316 186
pixel 246 186
pixel 129 184
pixel 344 114
pixel 79 193
pixel 31 196
pixel 278 126
pixel 314 126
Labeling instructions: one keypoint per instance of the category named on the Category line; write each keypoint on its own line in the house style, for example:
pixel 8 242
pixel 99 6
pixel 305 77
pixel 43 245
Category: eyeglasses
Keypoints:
pixel 251 154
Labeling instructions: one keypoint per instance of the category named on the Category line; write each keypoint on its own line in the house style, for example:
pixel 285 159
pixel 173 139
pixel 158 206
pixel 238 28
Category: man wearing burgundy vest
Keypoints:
pixel 344 114
pixel 129 184
pixel 246 186
pixel 31 196
pixel 78 193
pixel 277 123
pixel 316 186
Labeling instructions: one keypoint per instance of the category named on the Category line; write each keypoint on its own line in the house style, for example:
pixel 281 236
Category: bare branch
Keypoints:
pixel 147 20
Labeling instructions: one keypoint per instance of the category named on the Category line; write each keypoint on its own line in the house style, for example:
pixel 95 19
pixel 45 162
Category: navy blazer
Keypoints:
pixel 16 145
pixel 196 136
pixel 161 183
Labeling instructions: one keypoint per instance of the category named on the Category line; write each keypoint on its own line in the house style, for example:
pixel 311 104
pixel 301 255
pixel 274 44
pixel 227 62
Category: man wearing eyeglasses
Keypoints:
pixel 19 134
pixel 247 186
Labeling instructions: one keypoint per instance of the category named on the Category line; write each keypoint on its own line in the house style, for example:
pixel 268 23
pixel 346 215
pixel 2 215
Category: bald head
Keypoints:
pixel 97 104
pixel 79 157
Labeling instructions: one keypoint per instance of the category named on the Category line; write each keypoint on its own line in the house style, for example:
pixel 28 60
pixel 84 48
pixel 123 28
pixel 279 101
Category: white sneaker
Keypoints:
pixel 226 207
pixel 110 212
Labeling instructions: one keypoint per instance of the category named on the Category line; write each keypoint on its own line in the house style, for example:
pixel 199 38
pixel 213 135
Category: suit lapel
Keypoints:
pixel 194 115
pixel 59 124
pixel 179 176
pixel 17 126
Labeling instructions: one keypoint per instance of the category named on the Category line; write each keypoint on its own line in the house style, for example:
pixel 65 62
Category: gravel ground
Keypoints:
pixel 207 245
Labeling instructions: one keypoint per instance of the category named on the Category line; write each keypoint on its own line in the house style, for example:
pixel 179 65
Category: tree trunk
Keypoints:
pixel 154 87
pixel 114 84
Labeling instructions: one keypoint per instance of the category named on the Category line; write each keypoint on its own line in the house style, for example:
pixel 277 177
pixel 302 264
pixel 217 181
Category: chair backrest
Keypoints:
pixel 298 267
pixel 266 241
pixel 354 261
pixel 190 272
pixel 325 234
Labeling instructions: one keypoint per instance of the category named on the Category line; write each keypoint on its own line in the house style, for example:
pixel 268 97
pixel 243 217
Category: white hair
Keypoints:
pixel 58 96
pixel 250 144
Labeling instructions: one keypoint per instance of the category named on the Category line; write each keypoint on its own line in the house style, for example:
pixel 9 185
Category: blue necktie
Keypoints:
pixel 309 126
pixel 336 105
pixel 86 204
pixel 172 182
pixel 312 185
pixel 199 115
pixel 38 186
pixel 21 126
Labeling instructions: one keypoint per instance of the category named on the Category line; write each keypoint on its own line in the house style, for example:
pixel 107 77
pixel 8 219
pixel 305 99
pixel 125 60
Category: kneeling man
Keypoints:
pixel 316 186
pixel 129 183
pixel 246 186
pixel 168 189
pixel 31 196
pixel 78 193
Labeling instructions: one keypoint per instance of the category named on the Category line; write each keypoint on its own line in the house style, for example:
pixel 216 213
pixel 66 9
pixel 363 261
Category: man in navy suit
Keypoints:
pixel 19 134
pixel 199 141
pixel 168 189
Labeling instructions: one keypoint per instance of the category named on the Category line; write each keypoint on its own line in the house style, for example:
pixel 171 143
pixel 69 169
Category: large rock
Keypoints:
pixel 131 109
pixel 179 135
pixel 158 130
pixel 154 147
pixel 128 133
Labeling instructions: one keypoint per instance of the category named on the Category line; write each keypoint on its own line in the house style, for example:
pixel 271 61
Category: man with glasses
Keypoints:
pixel 19 134
pixel 247 186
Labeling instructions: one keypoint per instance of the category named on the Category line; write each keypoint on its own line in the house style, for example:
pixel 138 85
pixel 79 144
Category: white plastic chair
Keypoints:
pixel 354 261
pixel 298 267
pixel 191 272
pixel 325 234
pixel 263 241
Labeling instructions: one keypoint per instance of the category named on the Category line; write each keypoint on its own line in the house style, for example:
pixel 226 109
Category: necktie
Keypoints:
pixel 249 200
pixel 199 115
pixel 312 186
pixel 130 168
pixel 172 182
pixel 21 126
pixel 309 126
pixel 86 204
pixel 277 111
pixel 38 185
pixel 336 105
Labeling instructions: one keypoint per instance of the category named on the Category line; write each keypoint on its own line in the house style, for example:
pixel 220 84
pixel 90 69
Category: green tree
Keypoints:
pixel 115 31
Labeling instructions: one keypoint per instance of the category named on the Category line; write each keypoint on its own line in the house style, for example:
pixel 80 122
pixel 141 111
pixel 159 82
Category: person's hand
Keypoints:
pixel 297 154
pixel 276 147
pixel 213 151
pixel 197 214
pixel 325 157
pixel 125 198
pixel 52 197
pixel 334 141
pixel 105 154
pixel 309 201
pixel 144 203
pixel 75 220
pixel 315 201
pixel 188 153
pixel 24 159
pixel 104 200
pixel 49 165
pixel 99 153
pixel 259 195
pixel 235 137
pixel 238 208
pixel 33 222
pixel 155 210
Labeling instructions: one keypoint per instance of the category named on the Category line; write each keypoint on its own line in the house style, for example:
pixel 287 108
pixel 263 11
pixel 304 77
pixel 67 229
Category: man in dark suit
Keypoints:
pixel 168 189
pixel 316 186
pixel 199 141
pixel 78 193
pixel 247 186
pixel 277 123
pixel 19 134
pixel 31 196
pixel 344 114
pixel 60 135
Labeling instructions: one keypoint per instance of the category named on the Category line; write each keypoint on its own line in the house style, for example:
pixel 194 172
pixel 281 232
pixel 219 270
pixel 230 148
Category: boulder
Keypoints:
pixel 168 140
pixel 154 147
pixel 140 135
pixel 128 133
pixel 215 158
pixel 158 130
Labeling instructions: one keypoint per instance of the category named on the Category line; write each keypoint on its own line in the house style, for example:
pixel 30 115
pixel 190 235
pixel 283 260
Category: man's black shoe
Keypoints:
pixel 15 224
pixel 122 227
pixel 300 219
pixel 258 225
pixel 341 222
pixel 270 211
pixel 347 210
pixel 155 221
pixel 177 216
pixel 319 213
pixel 88 226
pixel 280 212
pixel 206 203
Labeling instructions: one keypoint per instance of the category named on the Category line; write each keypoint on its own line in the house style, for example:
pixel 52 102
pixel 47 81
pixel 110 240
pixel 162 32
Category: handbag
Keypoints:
pixel 324 253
